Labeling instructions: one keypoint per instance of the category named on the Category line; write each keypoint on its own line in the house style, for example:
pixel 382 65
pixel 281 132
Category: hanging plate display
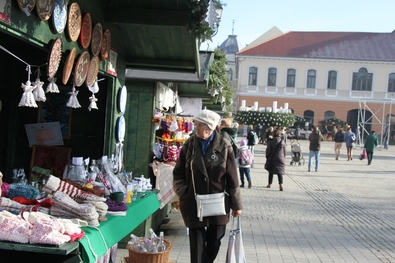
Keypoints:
pixel 81 68
pixel 54 57
pixel 120 129
pixel 122 97
pixel 59 15
pixel 44 8
pixel 92 72
pixel 68 66
pixel 26 5
pixel 97 36
pixel 86 31
pixel 106 44
pixel 74 21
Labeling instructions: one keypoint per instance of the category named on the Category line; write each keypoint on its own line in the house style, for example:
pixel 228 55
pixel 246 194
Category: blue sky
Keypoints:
pixel 252 18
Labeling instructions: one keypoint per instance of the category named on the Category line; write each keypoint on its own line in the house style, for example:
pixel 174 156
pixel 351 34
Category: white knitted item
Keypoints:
pixel 38 92
pixel 52 184
pixel 73 101
pixel 27 99
pixel 52 87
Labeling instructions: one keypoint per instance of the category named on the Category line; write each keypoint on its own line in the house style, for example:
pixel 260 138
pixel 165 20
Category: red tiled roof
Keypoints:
pixel 332 45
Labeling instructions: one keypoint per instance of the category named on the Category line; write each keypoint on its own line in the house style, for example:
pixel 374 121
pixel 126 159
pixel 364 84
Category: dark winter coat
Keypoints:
pixel 339 136
pixel 228 133
pixel 276 149
pixel 250 138
pixel 210 172
pixel 315 139
pixel 371 142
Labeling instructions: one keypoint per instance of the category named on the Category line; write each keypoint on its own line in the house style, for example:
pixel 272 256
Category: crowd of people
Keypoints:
pixel 210 162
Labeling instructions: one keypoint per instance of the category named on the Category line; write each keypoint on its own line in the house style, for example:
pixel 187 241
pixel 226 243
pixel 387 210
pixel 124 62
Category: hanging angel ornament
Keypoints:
pixel 93 104
pixel 52 87
pixel 27 99
pixel 38 92
pixel 73 101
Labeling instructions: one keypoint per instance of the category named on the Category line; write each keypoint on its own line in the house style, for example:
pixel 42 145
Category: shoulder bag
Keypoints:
pixel 208 204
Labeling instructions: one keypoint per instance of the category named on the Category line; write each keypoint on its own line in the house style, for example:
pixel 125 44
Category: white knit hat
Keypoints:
pixel 208 117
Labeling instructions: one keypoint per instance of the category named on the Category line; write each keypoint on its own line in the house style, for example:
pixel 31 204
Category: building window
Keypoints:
pixel 362 80
pixel 230 74
pixel 308 115
pixel 271 77
pixel 329 115
pixel 391 82
pixel 291 73
pixel 332 79
pixel 311 79
pixel 252 76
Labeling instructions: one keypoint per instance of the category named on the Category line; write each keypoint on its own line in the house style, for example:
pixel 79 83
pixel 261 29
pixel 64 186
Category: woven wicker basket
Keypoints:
pixel 160 257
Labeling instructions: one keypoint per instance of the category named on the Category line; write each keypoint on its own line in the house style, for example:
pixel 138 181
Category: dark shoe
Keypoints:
pixel 242 186
pixel 337 158
pixel 249 184
pixel 268 186
pixel 316 170
pixel 281 187
pixel 308 170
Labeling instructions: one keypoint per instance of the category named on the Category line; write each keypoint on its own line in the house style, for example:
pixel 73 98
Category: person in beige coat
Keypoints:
pixel 214 171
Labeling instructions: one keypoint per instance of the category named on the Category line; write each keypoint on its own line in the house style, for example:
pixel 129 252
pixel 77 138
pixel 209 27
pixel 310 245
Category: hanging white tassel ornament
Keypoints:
pixel 27 99
pixel 38 92
pixel 73 101
pixel 52 87
pixel 95 87
pixel 93 104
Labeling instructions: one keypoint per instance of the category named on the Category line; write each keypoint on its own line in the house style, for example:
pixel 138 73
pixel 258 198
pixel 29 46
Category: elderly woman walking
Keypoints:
pixel 206 165
pixel 275 158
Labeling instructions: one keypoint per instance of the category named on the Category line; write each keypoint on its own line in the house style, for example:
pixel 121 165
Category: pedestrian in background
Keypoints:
pixel 349 139
pixel 370 145
pixel 207 164
pixel 315 139
pixel 275 158
pixel 339 139
pixel 251 137
pixel 226 130
pixel 269 134
pixel 245 161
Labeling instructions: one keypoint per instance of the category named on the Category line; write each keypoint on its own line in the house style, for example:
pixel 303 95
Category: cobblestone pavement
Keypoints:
pixel 342 213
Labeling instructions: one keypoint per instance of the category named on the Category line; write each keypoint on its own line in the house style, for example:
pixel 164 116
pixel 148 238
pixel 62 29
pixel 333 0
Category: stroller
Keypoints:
pixel 297 155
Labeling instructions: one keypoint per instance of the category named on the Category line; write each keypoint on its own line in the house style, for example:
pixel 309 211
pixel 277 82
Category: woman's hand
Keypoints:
pixel 236 213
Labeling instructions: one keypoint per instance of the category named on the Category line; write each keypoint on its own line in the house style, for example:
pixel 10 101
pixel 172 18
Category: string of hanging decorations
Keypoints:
pixel 33 91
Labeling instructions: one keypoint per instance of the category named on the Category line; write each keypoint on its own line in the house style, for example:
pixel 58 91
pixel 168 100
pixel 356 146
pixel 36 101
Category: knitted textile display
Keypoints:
pixel 73 101
pixel 27 99
pixel 14 229
pixel 52 87
pixel 55 184
pixel 84 211
pixel 38 92
pixel 48 231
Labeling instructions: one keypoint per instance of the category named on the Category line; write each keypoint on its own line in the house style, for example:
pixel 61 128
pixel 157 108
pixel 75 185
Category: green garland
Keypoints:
pixel 265 118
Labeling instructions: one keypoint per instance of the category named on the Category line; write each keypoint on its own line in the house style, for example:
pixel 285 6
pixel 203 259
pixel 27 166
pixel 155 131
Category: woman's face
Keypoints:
pixel 202 130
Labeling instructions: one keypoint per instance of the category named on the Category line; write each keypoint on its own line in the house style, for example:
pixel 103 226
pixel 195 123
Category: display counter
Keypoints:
pixel 97 240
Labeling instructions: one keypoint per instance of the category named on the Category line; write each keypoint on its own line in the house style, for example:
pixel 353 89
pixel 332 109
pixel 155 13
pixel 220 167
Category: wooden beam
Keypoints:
pixel 160 63
pixel 131 15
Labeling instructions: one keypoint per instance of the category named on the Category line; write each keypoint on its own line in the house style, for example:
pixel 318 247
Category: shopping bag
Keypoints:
pixel 235 253
pixel 362 156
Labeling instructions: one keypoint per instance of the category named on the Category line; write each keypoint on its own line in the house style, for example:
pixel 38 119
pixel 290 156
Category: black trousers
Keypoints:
pixel 370 156
pixel 205 242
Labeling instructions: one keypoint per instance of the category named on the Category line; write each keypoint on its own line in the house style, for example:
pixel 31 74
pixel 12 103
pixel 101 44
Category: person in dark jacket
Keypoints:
pixel 250 140
pixel 207 164
pixel 370 145
pixel 315 139
pixel 269 134
pixel 226 130
pixel 275 154
pixel 339 139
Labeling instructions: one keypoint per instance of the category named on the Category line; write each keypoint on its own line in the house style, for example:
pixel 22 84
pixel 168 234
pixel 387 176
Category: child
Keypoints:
pixel 245 162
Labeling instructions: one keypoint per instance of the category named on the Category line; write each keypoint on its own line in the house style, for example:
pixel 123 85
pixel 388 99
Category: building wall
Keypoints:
pixel 320 99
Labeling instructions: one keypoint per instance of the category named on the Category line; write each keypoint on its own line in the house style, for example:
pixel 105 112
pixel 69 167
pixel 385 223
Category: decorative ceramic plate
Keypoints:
pixel 59 15
pixel 68 66
pixel 28 4
pixel 44 8
pixel 86 31
pixel 97 36
pixel 106 44
pixel 74 21
pixel 122 97
pixel 54 57
pixel 81 68
pixel 120 129
pixel 92 71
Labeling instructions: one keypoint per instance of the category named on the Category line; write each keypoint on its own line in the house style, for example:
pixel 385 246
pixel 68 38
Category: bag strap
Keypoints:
pixel 238 224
